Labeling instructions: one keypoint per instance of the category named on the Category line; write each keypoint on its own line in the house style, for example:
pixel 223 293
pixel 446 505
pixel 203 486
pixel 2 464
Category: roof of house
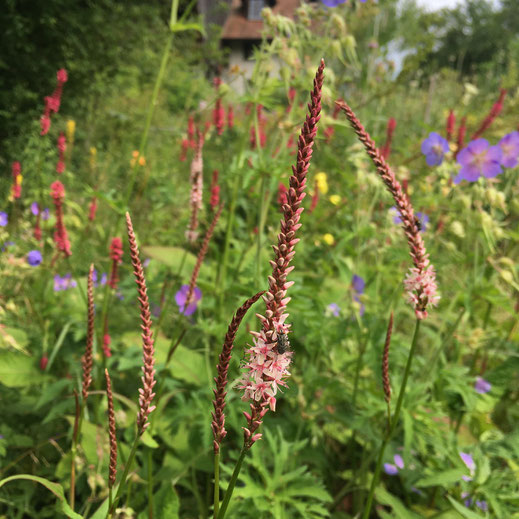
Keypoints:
pixel 238 27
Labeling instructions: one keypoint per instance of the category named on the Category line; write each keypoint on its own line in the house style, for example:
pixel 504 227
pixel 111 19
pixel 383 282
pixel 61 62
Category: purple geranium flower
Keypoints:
pixel 478 159
pixel 35 208
pixel 34 258
pixel 509 145
pixel 434 148
pixel 102 282
pixel 4 219
pixel 470 464
pixel 422 217
pixel 390 469
pixel 482 505
pixel 45 214
pixel 358 285
pixel 333 3
pixel 63 283
pixel 482 386
pixel 399 462
pixel 334 309
pixel 187 307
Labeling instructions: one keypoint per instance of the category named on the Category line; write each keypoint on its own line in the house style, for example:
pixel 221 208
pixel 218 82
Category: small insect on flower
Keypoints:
pixel 283 343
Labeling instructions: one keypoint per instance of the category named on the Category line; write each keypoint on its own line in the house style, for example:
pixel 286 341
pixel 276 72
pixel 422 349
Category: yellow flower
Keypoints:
pixel 135 153
pixel 142 161
pixel 328 239
pixel 335 199
pixel 93 157
pixel 71 130
pixel 19 179
pixel 322 182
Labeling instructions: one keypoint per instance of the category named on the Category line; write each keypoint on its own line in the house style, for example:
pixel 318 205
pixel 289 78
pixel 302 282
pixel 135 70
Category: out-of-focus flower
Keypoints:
pixel 335 199
pixel 422 218
pixel 434 148
pixel 328 239
pixel 358 284
pixel 64 283
pixel 509 145
pixel 4 219
pixel 469 463
pixel 34 258
pixel 451 122
pixel 482 386
pixel 478 159
pixel 102 281
pixel 390 469
pixel 187 307
pixel 17 180
pixel 334 309
pixel 322 182
pixel 399 462
pixel 106 345
pixel 43 362
pixel 482 505
pixel 35 209
pixel 71 130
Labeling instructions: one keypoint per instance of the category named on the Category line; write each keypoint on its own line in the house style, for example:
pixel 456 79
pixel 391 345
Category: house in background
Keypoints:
pixel 242 27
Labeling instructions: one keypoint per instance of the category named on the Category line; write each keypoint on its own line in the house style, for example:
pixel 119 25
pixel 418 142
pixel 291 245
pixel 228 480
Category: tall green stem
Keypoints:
pixel 232 484
pixel 122 482
pixel 216 484
pixel 394 422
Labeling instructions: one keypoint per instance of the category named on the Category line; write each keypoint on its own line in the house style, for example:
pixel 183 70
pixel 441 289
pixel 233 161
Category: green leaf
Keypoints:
pixel 400 510
pixel 171 256
pixel 55 488
pixel 441 478
pixel 168 503
pixel 463 510
pixel 17 370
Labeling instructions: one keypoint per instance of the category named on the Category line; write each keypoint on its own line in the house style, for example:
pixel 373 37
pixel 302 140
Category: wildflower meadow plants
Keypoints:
pixel 156 360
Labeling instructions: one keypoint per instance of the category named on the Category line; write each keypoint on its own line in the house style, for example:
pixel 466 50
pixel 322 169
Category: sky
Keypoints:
pixel 437 4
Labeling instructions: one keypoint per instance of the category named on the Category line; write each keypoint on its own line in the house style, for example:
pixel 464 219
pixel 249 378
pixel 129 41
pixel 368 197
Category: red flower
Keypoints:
pixel 215 191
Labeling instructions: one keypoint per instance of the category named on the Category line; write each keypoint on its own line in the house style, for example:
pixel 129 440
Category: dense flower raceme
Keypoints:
pixel 53 102
pixel 266 367
pixel 489 119
pixel 62 146
pixel 390 130
pixel 60 234
pixel 218 112
pixel 450 124
pixel 197 183
pixel 116 255
pixel 146 393
pixel 420 283
pixel 215 191
pixel 434 148
pixel 479 159
pixel 87 358
pixel 423 218
pixel 16 191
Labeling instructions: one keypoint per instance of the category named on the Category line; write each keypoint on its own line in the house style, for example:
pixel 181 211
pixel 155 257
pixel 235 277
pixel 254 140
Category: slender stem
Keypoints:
pixel 74 450
pixel 127 467
pixel 150 486
pixel 394 422
pixel 232 484
pixel 261 223
pixel 216 484
pixel 74 274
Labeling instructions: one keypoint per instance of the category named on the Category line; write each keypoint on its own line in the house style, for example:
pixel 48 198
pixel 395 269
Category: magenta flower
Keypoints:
pixel 482 386
pixel 478 159
pixel 399 462
pixel 509 145
pixel 34 258
pixel 4 219
pixel 187 307
pixel 434 148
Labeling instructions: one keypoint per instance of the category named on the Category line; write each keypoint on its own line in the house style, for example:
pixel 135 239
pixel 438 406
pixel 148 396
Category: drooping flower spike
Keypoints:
pixel 268 359
pixel 421 279
pixel 218 423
